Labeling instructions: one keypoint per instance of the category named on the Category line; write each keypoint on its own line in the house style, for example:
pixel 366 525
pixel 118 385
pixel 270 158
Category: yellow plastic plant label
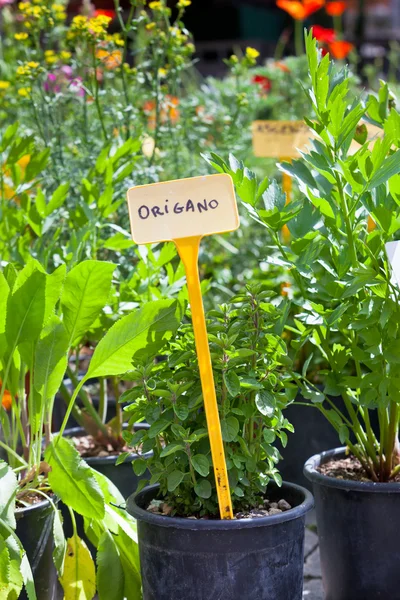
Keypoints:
pixel 171 210
pixel 183 211
pixel 274 139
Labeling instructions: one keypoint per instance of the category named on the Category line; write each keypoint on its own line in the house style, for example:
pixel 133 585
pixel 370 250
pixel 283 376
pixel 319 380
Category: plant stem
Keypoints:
pixel 96 95
pixel 86 401
pixel 390 439
pixel 298 37
pixel 118 407
pixel 76 412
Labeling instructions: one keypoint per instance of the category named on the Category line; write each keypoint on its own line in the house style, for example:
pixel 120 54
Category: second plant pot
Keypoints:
pixel 35 530
pixel 358 528
pixel 122 476
pixel 198 559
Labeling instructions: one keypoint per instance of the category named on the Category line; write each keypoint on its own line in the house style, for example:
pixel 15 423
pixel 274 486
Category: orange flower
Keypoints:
pixel 340 49
pixel 22 163
pixel 172 103
pixel 281 66
pixel 285 234
pixel 300 10
pixel 111 60
pixel 371 224
pixel 285 288
pixel 168 110
pixel 7 399
pixel 336 9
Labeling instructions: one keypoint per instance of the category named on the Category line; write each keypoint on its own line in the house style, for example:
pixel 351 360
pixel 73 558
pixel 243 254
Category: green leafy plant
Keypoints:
pixel 42 318
pixel 348 305
pixel 252 378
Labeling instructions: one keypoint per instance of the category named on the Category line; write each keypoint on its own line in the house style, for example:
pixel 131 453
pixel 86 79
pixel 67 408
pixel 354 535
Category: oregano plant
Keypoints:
pixel 347 303
pixel 253 385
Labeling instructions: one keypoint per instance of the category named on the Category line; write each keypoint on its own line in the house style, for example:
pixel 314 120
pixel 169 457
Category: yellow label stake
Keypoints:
pixel 183 211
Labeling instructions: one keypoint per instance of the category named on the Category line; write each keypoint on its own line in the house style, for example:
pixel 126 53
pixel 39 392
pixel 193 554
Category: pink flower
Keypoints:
pixel 63 79
pixel 50 84
pixel 76 87
pixel 5 2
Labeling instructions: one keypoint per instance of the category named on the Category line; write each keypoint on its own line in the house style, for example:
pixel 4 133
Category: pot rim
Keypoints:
pixel 32 507
pixel 204 524
pixel 310 471
pixel 106 460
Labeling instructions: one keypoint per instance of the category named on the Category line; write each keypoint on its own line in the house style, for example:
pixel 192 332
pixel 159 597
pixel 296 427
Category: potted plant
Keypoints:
pixel 349 311
pixel 41 315
pixel 186 551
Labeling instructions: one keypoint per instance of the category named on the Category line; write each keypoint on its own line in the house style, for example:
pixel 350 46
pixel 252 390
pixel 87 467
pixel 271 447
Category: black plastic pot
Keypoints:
pixel 60 409
pixel 188 559
pixel 122 476
pixel 35 530
pixel 358 528
pixel 313 434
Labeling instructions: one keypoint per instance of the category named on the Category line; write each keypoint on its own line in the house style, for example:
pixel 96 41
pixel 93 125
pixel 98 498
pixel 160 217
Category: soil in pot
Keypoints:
pixel 35 530
pixel 358 523
pixel 257 558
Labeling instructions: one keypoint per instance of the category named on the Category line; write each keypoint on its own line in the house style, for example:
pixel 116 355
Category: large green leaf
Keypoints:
pixel 10 577
pixel 8 489
pixel 86 290
pixel 4 293
pixel 4 567
pixel 26 308
pixel 108 561
pixel 51 359
pixel 60 545
pixel 73 480
pixel 138 335
pixel 389 168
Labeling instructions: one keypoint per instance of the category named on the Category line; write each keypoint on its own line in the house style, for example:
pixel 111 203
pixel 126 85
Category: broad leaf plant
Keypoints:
pixel 347 305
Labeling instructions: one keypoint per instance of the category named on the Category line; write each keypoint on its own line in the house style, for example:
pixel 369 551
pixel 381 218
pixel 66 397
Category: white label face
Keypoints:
pixel 161 212
pixel 393 252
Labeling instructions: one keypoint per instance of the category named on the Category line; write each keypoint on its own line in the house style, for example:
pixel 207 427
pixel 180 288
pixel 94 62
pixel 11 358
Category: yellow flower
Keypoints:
pixel 32 64
pixel 23 6
pixel 21 71
pixel 4 85
pixel 150 26
pixel 117 39
pixel 58 7
pixel 21 36
pixel 156 5
pixel 252 53
pixel 184 3
pixel 65 55
pixel 162 72
pixel 24 92
pixel 51 59
pixel 79 21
